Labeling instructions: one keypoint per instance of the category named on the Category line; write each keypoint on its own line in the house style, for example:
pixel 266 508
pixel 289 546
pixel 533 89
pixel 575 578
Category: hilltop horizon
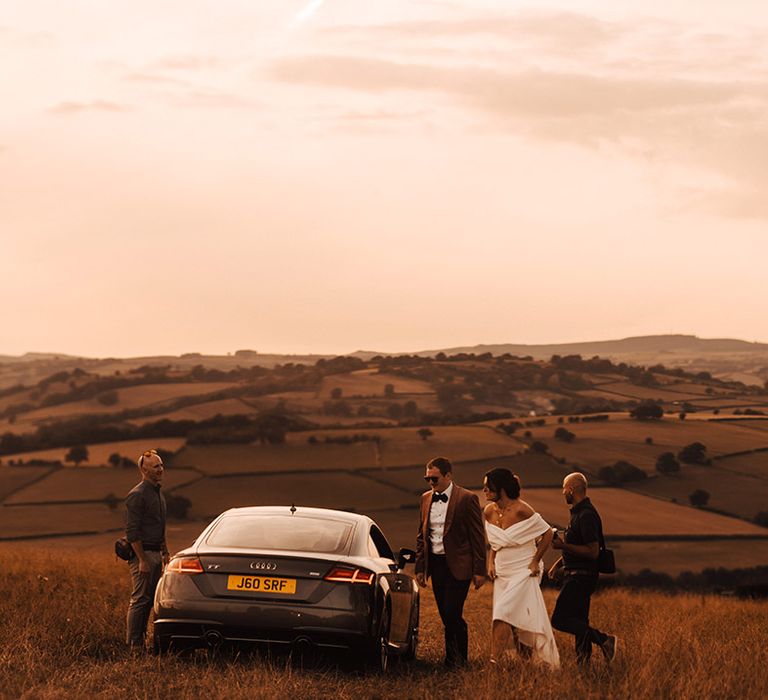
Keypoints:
pixel 659 342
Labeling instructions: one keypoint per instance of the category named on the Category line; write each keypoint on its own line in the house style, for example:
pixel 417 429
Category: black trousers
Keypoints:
pixel 571 614
pixel 450 594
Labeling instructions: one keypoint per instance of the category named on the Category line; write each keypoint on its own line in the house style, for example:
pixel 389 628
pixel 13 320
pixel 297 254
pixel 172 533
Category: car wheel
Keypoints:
pixel 380 656
pixel 410 653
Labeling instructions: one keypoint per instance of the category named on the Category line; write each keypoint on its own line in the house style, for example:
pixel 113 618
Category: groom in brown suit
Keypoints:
pixel 450 549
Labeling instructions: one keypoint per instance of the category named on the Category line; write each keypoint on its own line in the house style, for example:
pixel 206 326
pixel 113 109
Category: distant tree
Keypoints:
pixel 667 464
pixel 389 391
pixel 363 411
pixel 695 453
pixel 425 433
pixel 410 409
pixel 336 393
pixel 565 435
pixel 527 434
pixel 649 440
pixel 312 440
pixel 77 454
pixel 761 518
pixel 621 472
pixel 107 398
pixel 699 498
pixel 112 501
pixel 647 410
pixel 716 411
pixel 177 506
pixel 539 446
pixel 114 459
pixel 395 410
pixel 681 415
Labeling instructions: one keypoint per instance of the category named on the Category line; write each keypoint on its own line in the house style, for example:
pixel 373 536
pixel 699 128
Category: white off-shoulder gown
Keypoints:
pixel 517 598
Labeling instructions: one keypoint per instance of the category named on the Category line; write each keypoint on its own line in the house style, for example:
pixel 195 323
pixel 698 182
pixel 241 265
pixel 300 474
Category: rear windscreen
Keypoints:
pixel 281 532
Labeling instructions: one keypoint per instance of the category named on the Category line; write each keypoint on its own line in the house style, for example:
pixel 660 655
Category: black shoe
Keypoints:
pixel 609 646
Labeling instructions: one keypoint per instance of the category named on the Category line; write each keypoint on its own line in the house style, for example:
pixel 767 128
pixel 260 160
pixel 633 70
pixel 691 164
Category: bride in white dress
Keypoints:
pixel 518 537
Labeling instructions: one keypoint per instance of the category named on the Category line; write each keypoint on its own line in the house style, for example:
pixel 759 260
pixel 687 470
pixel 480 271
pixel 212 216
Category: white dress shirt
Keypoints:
pixel 437 513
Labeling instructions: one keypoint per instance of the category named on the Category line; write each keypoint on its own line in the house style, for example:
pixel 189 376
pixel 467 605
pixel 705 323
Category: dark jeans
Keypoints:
pixel 571 614
pixel 450 595
pixel 142 598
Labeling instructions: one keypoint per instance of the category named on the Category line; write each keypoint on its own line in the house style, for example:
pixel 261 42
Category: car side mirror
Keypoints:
pixel 404 557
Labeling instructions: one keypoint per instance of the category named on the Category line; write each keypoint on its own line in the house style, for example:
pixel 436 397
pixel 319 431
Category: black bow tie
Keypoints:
pixel 439 497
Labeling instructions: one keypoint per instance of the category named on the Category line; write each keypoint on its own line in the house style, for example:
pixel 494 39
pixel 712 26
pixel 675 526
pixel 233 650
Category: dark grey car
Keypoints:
pixel 296 577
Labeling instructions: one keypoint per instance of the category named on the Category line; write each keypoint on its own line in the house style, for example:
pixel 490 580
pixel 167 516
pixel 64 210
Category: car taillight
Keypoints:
pixel 342 574
pixel 185 565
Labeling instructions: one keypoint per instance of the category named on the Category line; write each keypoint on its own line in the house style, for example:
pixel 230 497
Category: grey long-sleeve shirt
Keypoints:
pixel 145 514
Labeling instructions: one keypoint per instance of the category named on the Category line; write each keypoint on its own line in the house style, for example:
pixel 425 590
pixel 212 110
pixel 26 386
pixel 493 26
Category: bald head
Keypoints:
pixel 574 488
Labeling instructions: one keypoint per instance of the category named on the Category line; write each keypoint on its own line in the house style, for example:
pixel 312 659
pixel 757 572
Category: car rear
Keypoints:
pixel 274 579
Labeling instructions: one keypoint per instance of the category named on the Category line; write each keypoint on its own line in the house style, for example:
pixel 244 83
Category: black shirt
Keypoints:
pixel 145 514
pixel 585 528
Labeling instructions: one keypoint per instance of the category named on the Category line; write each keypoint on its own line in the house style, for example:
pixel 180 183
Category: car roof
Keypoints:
pixel 303 511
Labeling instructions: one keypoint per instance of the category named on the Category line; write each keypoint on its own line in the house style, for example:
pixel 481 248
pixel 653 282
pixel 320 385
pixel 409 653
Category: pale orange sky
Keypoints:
pixel 325 176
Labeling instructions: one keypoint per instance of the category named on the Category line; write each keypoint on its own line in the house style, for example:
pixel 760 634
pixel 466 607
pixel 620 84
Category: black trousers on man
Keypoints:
pixel 450 594
pixel 571 613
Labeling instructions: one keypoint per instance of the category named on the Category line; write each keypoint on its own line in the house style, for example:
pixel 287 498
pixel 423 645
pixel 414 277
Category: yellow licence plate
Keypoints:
pixel 262 584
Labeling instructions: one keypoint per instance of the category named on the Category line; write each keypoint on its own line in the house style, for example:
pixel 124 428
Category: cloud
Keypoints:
pixel 212 99
pixel 94 106
pixel 528 93
pixel 154 78
pixel 567 29
pixel 187 62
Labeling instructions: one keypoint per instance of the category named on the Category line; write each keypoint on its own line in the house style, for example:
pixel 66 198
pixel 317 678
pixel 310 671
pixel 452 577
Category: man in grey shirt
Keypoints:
pixel 145 531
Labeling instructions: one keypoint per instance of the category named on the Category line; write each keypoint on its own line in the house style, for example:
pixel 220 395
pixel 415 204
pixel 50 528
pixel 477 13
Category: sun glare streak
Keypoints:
pixel 308 11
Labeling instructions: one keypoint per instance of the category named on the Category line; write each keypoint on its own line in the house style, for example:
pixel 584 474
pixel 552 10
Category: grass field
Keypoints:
pixel 755 464
pixel 98 454
pixel 13 478
pixel 367 382
pixel 129 398
pixel 600 444
pixel 92 484
pixel 744 496
pixel 675 647
pixel 201 411
pixel 342 491
pixel 17 521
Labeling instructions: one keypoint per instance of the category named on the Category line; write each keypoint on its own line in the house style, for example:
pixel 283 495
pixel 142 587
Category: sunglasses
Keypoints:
pixel 431 479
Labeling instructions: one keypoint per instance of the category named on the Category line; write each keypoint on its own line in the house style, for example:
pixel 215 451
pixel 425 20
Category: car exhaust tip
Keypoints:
pixel 303 646
pixel 213 638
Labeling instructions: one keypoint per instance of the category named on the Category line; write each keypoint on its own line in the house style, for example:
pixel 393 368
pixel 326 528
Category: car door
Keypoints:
pixel 401 590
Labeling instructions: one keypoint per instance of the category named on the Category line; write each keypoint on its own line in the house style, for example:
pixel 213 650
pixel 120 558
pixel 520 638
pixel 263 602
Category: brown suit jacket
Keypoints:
pixel 463 536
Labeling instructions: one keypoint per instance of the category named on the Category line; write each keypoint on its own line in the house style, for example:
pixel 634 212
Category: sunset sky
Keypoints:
pixel 326 176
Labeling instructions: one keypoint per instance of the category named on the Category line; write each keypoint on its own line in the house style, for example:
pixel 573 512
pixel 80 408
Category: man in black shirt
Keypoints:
pixel 579 568
pixel 145 531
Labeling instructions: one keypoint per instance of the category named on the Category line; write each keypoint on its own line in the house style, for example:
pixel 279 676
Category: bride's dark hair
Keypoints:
pixel 502 479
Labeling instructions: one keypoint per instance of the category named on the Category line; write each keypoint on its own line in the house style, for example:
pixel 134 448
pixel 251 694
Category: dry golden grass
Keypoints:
pixel 25 521
pixel 64 622
pixel 12 478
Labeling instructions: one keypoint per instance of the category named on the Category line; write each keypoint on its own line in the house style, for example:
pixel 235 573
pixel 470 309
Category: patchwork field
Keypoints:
pixel 755 464
pixel 92 484
pixel 202 411
pixel 129 398
pixel 532 469
pixel 99 453
pixel 292 456
pixel 744 496
pixel 599 444
pixel 367 382
pixel 341 491
pixel 627 513
pixel 25 521
pixel 13 478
